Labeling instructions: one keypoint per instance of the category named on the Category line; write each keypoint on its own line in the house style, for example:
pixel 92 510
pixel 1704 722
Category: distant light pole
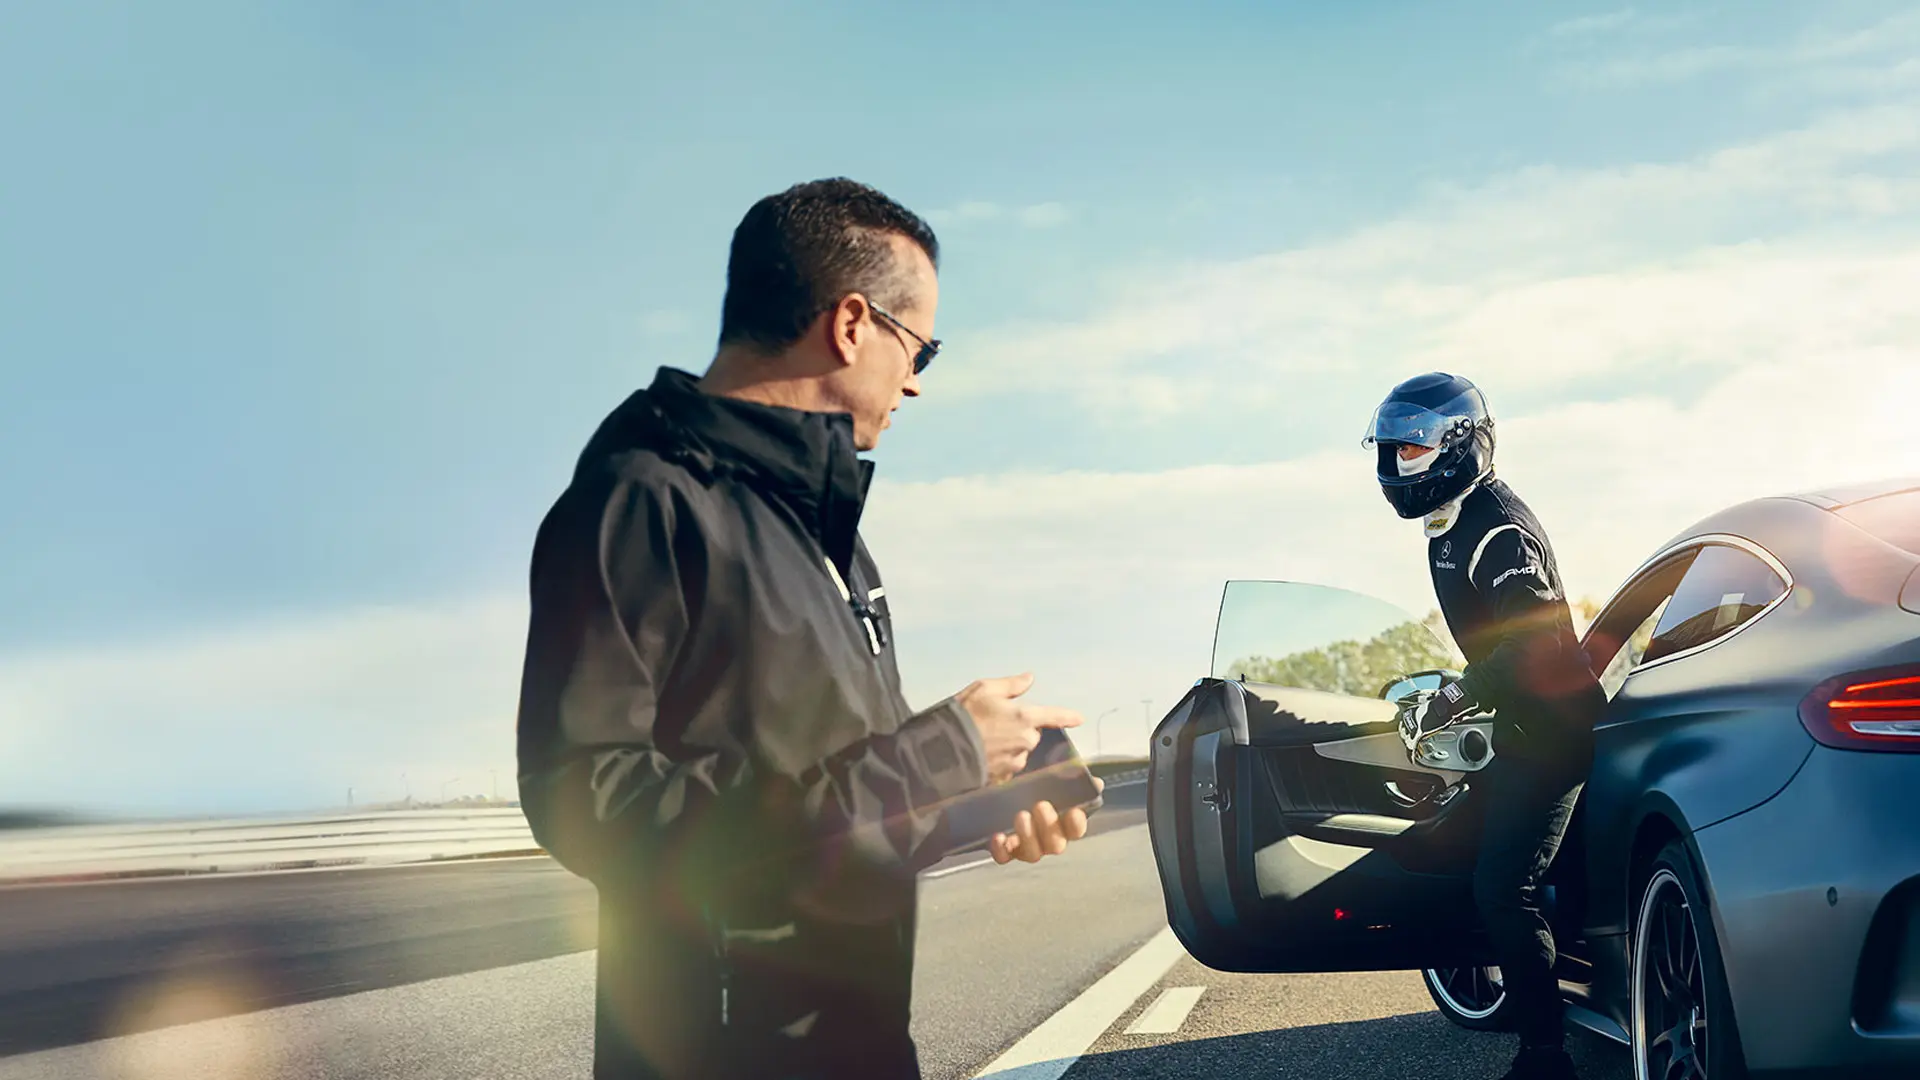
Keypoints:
pixel 406 787
pixel 443 787
pixel 1098 742
pixel 349 796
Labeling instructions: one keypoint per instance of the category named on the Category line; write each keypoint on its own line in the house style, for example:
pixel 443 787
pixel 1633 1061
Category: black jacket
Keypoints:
pixel 1499 588
pixel 712 730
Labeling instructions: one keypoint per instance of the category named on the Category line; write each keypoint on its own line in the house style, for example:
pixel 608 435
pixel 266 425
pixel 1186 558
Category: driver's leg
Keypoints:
pixel 1527 809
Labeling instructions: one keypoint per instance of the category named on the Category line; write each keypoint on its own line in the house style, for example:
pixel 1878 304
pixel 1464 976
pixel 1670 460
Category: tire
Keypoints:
pixel 1679 1009
pixel 1471 998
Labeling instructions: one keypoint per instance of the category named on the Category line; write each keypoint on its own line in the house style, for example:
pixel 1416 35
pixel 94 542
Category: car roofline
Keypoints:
pixel 1705 529
pixel 1839 496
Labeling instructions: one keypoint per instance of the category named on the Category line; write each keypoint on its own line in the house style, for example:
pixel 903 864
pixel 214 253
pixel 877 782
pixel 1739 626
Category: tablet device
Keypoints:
pixel 1054 774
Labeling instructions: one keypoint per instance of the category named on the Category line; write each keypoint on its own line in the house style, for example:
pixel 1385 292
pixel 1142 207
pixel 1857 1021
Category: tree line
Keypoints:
pixel 1364 668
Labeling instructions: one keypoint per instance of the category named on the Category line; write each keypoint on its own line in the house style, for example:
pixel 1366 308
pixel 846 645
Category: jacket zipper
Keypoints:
pixel 860 609
pixel 717 930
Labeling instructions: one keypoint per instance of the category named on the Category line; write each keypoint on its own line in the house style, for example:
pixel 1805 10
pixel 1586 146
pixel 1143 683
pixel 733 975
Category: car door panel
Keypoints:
pixel 1291 830
pixel 1384 751
pixel 1276 858
pixel 1327 761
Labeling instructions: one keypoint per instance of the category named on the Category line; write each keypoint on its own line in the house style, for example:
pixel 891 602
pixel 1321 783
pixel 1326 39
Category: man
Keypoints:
pixel 1499 589
pixel 711 723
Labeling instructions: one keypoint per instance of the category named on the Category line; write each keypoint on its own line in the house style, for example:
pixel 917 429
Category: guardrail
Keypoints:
pixel 73 853
pixel 78 853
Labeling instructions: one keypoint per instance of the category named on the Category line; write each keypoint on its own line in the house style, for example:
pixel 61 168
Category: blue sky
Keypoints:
pixel 306 309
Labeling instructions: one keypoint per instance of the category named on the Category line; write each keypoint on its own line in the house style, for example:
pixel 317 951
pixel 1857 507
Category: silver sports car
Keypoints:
pixel 1739 892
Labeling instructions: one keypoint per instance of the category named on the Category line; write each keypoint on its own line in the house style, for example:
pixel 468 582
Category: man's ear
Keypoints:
pixel 848 323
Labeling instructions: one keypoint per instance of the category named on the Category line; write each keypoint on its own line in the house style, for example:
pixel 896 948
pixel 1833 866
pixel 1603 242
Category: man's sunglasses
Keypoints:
pixel 928 349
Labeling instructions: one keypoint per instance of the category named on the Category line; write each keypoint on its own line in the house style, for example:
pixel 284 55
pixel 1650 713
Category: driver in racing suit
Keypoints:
pixel 1499 590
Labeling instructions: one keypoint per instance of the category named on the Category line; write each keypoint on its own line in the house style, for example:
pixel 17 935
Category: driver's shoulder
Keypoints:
pixel 1499 504
pixel 1494 539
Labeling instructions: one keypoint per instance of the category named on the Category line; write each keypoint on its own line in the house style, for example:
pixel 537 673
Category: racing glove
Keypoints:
pixel 1444 708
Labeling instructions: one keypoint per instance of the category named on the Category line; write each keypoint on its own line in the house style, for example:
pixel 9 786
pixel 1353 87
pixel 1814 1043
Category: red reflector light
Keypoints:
pixel 1339 913
pixel 1871 710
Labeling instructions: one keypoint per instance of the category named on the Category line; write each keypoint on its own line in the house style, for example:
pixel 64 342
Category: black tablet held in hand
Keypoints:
pixel 1054 774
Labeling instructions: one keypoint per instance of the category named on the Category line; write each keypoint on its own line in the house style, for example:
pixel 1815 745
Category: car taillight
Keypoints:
pixel 1871 710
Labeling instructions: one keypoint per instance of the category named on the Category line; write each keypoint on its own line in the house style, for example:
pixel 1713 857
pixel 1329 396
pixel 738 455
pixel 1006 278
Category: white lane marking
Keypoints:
pixel 974 865
pixel 1049 1050
pixel 1168 1011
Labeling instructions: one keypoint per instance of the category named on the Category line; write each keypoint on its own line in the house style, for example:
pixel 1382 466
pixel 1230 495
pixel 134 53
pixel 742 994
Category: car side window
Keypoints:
pixel 1618 641
pixel 1631 653
pixel 1724 588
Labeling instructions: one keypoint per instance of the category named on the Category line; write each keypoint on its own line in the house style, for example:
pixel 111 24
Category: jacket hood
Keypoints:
pixel 806 460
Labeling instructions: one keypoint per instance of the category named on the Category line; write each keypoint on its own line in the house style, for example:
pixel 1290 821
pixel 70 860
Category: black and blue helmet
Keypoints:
pixel 1442 412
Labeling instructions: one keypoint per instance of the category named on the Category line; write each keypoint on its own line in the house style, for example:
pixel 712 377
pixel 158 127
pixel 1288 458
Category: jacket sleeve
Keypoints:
pixel 1535 627
pixel 616 796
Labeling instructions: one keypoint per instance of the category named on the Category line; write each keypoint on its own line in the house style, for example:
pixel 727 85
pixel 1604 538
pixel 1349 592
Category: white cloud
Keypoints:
pixel 1777 276
pixel 1526 280
pixel 1677 65
pixel 967 211
pixel 292 712
pixel 1902 77
pixel 1813 57
pixel 1896 33
pixel 1586 25
pixel 665 323
pixel 1105 584
pixel 1044 215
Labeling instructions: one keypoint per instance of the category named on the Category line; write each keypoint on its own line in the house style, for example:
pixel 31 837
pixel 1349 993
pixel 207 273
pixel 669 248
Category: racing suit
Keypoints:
pixel 1499 589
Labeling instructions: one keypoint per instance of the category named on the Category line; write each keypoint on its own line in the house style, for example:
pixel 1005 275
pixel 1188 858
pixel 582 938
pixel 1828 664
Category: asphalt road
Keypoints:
pixel 1372 1024
pixel 485 969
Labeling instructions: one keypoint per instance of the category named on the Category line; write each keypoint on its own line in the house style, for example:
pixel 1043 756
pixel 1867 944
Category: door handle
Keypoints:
pixel 1436 797
pixel 1402 798
pixel 1217 797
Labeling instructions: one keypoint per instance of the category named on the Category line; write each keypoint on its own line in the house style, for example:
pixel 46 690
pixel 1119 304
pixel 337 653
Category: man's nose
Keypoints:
pixel 912 387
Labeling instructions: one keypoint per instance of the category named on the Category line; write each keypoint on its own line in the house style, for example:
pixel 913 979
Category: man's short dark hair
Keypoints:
pixel 795 254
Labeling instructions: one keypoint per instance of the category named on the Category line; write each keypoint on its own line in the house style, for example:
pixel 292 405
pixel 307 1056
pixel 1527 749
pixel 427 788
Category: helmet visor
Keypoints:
pixel 1405 422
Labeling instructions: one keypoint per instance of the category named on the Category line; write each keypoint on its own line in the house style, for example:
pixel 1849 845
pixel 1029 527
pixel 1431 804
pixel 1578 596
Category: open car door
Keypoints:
pixel 1292 827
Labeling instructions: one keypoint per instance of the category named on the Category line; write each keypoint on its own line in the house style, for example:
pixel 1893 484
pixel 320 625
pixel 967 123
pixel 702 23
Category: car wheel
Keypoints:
pixel 1473 997
pixel 1681 1013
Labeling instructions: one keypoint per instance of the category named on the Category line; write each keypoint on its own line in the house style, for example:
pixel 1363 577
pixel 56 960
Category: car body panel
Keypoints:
pixel 1702 737
pixel 1688 758
pixel 1796 885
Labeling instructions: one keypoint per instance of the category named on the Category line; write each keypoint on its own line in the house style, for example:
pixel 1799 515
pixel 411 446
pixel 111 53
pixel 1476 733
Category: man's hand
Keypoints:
pixel 1010 729
pixel 1039 832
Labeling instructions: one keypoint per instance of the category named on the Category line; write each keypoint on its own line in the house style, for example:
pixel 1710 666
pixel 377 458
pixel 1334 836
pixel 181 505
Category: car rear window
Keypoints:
pixel 1724 587
pixel 1894 518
